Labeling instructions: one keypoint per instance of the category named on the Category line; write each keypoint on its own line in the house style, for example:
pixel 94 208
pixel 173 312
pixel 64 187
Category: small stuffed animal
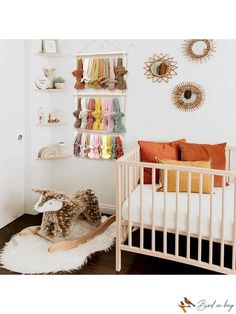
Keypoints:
pixel 50 74
pixel 60 210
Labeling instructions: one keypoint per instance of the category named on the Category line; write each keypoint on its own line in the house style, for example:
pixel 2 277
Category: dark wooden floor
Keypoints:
pixel 104 262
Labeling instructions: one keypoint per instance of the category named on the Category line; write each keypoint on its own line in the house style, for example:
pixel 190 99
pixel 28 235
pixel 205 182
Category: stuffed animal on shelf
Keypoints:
pixel 60 210
pixel 50 74
pixel 78 74
pixel 120 72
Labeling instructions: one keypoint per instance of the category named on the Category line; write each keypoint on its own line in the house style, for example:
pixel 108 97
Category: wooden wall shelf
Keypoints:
pixel 51 55
pixel 59 157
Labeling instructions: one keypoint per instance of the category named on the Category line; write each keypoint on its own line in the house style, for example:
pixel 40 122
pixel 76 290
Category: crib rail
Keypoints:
pixel 130 174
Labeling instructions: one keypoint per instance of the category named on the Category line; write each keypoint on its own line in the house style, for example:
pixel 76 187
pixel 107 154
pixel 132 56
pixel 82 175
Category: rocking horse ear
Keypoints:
pixel 41 191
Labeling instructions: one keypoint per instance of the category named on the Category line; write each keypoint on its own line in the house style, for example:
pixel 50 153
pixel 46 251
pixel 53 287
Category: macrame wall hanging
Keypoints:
pixel 100 102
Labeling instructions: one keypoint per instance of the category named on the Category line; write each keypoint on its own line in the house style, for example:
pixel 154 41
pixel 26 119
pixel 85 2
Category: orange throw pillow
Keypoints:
pixel 149 150
pixel 183 176
pixel 194 152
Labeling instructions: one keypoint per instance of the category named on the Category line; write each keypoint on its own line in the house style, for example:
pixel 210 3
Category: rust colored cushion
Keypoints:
pixel 149 150
pixel 194 152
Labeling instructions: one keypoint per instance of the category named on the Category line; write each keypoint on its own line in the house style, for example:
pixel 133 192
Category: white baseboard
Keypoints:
pixel 105 209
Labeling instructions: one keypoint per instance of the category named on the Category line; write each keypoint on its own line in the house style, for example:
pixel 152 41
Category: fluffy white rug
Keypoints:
pixel 28 254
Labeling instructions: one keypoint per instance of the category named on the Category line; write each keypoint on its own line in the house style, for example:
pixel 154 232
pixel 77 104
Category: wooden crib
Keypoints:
pixel 204 221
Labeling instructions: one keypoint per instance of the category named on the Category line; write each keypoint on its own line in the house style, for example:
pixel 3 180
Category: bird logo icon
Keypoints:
pixel 187 301
pixel 185 304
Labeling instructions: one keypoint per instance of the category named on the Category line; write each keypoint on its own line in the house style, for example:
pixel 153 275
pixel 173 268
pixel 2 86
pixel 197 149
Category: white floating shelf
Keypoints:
pixel 59 157
pixel 44 54
pixel 99 132
pixel 50 124
pixel 51 90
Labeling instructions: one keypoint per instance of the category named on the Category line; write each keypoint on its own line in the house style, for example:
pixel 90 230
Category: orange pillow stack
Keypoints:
pixel 180 150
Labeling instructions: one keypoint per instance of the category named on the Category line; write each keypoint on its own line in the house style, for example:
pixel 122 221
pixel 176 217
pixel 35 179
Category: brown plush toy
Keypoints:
pixel 120 71
pixel 60 210
pixel 76 113
pixel 78 74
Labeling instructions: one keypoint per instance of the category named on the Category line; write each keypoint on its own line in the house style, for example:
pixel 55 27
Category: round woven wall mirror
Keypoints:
pixel 188 96
pixel 198 50
pixel 160 68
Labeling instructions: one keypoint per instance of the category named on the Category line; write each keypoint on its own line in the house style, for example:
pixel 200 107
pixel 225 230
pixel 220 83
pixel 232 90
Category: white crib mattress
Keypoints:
pixel 194 211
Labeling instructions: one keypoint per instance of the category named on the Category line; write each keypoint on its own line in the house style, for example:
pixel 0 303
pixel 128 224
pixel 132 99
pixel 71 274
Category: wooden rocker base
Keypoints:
pixel 69 244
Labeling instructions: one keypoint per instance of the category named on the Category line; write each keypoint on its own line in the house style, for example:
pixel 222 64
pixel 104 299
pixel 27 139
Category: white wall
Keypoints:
pixel 12 124
pixel 150 113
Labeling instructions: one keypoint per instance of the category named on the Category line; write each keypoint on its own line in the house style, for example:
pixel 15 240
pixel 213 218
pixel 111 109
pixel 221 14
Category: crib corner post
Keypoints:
pixel 118 217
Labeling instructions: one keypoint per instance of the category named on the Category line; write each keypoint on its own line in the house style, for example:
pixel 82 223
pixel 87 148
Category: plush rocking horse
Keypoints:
pixel 60 210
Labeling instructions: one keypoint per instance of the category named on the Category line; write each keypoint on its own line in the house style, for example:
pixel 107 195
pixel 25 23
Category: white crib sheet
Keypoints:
pixel 194 210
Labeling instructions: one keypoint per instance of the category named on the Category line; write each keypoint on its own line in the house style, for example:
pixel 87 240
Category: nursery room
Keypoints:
pixel 119 156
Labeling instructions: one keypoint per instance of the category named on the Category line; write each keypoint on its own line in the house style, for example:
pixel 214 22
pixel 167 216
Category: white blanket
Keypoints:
pixel 194 210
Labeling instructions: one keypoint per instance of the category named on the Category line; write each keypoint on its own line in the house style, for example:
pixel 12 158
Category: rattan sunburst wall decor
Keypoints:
pixel 188 96
pixel 199 50
pixel 160 68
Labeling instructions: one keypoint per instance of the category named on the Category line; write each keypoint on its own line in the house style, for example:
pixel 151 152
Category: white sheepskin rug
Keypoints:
pixel 28 254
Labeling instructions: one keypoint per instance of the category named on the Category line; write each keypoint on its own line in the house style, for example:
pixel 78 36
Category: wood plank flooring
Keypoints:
pixel 104 262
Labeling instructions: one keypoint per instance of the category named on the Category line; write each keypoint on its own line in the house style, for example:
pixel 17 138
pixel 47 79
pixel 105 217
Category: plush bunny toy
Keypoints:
pixel 60 210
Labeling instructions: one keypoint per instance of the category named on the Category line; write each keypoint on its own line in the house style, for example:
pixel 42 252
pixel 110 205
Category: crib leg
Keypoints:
pixel 118 255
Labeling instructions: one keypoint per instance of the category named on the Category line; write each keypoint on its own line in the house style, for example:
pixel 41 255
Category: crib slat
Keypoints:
pixel 129 206
pixel 222 253
pixel 200 220
pixel 188 214
pixel 177 215
pixel 165 212
pixel 153 207
pixel 126 181
pixel 234 230
pixel 119 237
pixel 211 220
pixel 141 207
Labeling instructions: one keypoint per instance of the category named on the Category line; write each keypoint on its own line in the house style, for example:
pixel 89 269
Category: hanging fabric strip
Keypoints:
pixel 117 116
pixel 112 81
pixel 120 72
pixel 109 116
pixel 113 152
pixel 91 146
pixel 105 147
pixel 83 148
pixel 97 114
pixel 85 68
pixel 77 143
pixel 78 74
pixel 119 147
pixel 83 114
pixel 91 108
pixel 76 114
pixel 97 153
pixel 104 106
